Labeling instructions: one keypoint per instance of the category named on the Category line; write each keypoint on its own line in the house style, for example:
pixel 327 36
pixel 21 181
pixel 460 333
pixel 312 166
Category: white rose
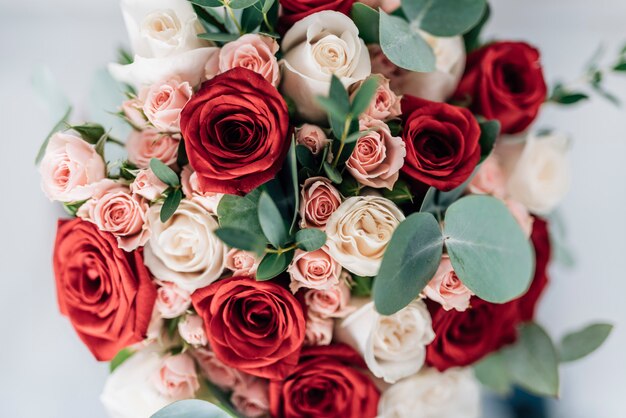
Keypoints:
pixel 316 47
pixel 540 178
pixel 359 231
pixel 184 249
pixel 431 394
pixel 128 391
pixel 163 36
pixel 393 347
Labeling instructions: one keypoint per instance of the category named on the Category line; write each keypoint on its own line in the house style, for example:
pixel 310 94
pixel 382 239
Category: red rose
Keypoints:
pixel 256 327
pixel 235 129
pixel 541 241
pixel 442 143
pixel 107 293
pixel 294 10
pixel 326 384
pixel 504 81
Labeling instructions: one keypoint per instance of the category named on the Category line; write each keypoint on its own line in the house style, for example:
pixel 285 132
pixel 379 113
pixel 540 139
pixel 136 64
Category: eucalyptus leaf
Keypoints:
pixel 273 264
pixel 267 5
pixel 350 187
pixel 272 222
pixel 251 19
pixel 218 37
pixel 339 95
pixel 364 96
pixel 57 127
pixel 170 205
pixel 332 173
pixel 489 131
pixel 493 373
pixel 472 38
pixel 367 20
pixel 242 239
pixel 99 146
pixel 410 261
pixel 123 355
pixel 208 3
pixel 191 408
pixel 401 193
pixel 310 239
pixel 305 156
pixel 240 212
pixel 164 173
pixel 403 46
pixel 361 286
pixel 292 167
pixel 242 4
pixel 579 344
pixel 444 17
pixel 355 136
pixel 90 132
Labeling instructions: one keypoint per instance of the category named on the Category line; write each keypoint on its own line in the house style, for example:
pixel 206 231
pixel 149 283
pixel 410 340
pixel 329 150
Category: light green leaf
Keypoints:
pixel 410 261
pixel 364 96
pixel 310 239
pixel 123 355
pixel 444 17
pixel 493 373
pixel 488 250
pixel 90 132
pixel 164 173
pixel 58 127
pixel 170 205
pixel 208 3
pixel 339 95
pixel 191 408
pixel 218 37
pixel 403 46
pixel 267 5
pixel 242 239
pixel 579 344
pixel 332 173
pixel 273 264
pixel 272 222
pixel 240 212
pixel 366 19
pixel 242 4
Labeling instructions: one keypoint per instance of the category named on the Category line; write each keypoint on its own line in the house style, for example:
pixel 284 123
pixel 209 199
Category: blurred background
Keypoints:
pixel 44 369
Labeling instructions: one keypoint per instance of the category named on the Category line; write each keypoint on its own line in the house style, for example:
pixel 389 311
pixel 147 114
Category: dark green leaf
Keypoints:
pixel 472 38
pixel 90 132
pixel 242 239
pixel 251 19
pixel 123 355
pixel 563 96
pixel 210 18
pixel 489 131
pixel 208 3
pixel 181 158
pixel 59 126
pixel 339 95
pixel 124 57
pixel 400 193
pixel 444 17
pixel 272 222
pixel 305 156
pixel 273 264
pixel 493 373
pixel 620 67
pixel 242 4
pixel 332 173
pixel 240 212
pixel 366 19
pixel 310 239
pixel 292 166
pixel 164 173
pixel 362 286
pixel 350 187
pixel 191 408
pixel 267 5
pixel 219 37
pixel 403 46
pixel 410 261
pixel 364 96
pixel 170 205
pixel 579 344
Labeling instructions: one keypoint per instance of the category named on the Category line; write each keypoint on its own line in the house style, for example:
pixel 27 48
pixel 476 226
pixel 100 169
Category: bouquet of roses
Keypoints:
pixel 325 208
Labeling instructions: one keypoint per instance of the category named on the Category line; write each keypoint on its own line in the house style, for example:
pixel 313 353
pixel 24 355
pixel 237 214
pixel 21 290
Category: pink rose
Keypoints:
pixel 114 209
pixel 313 270
pixel 387 5
pixel 217 372
pixel 163 102
pixel 133 111
pixel 172 301
pixel 521 215
pixel 69 168
pixel 490 179
pixel 378 156
pixel 177 378
pixel 251 397
pixel 330 303
pixel 147 185
pixel 191 189
pixel 142 146
pixel 312 137
pixel 254 52
pixel 191 329
pixel 446 288
pixel 319 331
pixel 385 105
pixel 241 263
pixel 319 200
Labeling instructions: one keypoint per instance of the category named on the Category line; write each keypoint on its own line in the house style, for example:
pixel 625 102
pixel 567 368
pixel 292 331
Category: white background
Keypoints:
pixel 44 369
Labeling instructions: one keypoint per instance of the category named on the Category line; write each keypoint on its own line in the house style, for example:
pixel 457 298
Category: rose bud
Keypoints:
pixel 251 397
pixel 385 105
pixel 312 137
pixel 330 303
pixel 148 185
pixel 446 288
pixel 319 199
pixel 142 146
pixel 254 52
pixel 319 331
pixel 163 102
pixel 177 378
pixel 191 329
pixel 172 301
pixel 213 369
pixel 313 270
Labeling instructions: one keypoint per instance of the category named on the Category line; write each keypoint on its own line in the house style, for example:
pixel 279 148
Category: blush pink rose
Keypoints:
pixel 490 179
pixel 312 137
pixel 251 397
pixel 163 102
pixel 217 372
pixel 241 263
pixel 319 200
pixel 378 156
pixel 446 288
pixel 172 301
pixel 385 105
pixel 133 111
pixel 319 331
pixel 330 303
pixel 147 185
pixel 521 215
pixel 191 329
pixel 313 270
pixel 70 168
pixel 387 5
pixel 254 52
pixel 191 189
pixel 177 378
pixel 142 146
pixel 114 209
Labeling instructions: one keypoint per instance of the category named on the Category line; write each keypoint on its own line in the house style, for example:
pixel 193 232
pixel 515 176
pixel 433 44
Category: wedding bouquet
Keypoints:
pixel 325 208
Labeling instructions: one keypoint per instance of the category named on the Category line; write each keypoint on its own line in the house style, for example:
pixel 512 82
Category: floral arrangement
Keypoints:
pixel 325 208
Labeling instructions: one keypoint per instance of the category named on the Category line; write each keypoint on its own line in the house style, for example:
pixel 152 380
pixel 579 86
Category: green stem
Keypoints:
pixel 280 251
pixel 234 19
pixel 344 135
pixel 116 142
pixel 267 23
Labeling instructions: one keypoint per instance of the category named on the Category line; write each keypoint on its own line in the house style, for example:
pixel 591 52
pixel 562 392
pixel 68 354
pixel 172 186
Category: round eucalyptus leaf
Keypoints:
pixel 191 408
pixel 444 17
pixel 403 46
pixel 273 264
pixel 310 239
pixel 579 344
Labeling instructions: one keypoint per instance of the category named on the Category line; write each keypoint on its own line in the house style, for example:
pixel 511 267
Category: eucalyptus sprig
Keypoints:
pixel 173 194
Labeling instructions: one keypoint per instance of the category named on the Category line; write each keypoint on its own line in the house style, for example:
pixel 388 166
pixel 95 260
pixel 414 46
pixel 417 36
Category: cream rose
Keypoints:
pixel 142 146
pixel 254 52
pixel 319 199
pixel 184 249
pixel 359 231
pixel 393 347
pixel 315 48
pixel 431 394
pixel 313 270
pixel 385 105
pixel 312 137
pixel 163 102
pixel 446 289
pixel 176 377
pixel 70 168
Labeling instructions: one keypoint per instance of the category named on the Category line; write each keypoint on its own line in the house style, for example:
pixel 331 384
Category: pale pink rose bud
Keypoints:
pixel 312 137
pixel 172 301
pixel 313 270
pixel 385 105
pixel 148 185
pixel 254 52
pixel 142 146
pixel 387 5
pixel 70 168
pixel 191 329
pixel 330 303
pixel 163 102
pixel 319 331
pixel 241 263
pixel 446 288
pixel 251 397
pixel 319 200
pixel 133 111
pixel 217 372
pixel 378 156
pixel 191 189
pixel 490 179
pixel 177 378
pixel 114 209
pixel 521 215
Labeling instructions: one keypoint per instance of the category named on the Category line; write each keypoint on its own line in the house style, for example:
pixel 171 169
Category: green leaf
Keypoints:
pixel 489 131
pixel 563 96
pixel 579 344
pixel 332 173
pixel 364 96
pixel 620 67
pixel 191 408
pixel 273 264
pixel 181 158
pixel 488 250
pixel 331 107
pixel 444 17
pixel 99 147
pixel 251 19
pixel 361 286
pixel 305 157
pixel 366 19
pixel 472 38
pixel 90 132
pixel 355 136
pixel 218 37
pixel 350 187
pixel 267 5
pixel 533 362
pixel 58 127
pixel 208 3
pixel 292 168
pixel 403 46
pixel 242 4
pixel 339 95
pixel 310 239
pixel 123 355
pixel 400 193
pixel 164 173
pixel 492 372
pixel 242 239
pixel 72 207
pixel 410 261
pixel 240 212
pixel 272 222
pixel 170 205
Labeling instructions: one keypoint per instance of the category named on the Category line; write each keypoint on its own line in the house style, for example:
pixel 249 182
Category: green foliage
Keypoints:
pixel 579 344
pixel 123 355
pixel 489 131
pixel 164 173
pixel 208 3
pixel 272 222
pixel 444 17
pixel 472 38
pixel 273 264
pixel 401 193
pixel 310 239
pixel 171 203
pixel 364 96
pixel 366 19
pixel 242 239
pixel 219 37
pixel 240 212
pixel 90 132
pixel 403 44
pixel 332 173
pixel 492 372
pixel 362 286
pixel 192 408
